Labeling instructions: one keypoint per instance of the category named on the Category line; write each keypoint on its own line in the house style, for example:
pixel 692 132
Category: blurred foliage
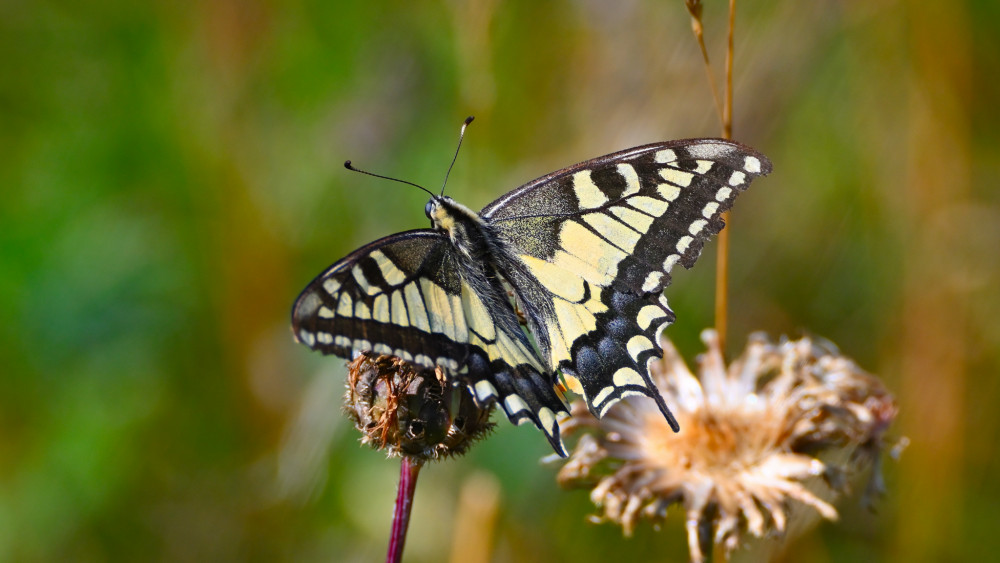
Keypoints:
pixel 172 176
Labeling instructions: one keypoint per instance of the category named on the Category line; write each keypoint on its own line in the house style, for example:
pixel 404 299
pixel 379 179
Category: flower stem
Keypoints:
pixel 722 258
pixel 408 471
pixel 694 8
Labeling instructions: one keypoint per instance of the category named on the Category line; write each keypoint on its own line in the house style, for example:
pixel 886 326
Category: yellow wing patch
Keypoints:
pixel 587 193
pixel 601 255
pixel 555 278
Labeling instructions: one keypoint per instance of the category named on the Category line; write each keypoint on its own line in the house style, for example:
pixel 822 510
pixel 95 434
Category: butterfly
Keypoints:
pixel 557 284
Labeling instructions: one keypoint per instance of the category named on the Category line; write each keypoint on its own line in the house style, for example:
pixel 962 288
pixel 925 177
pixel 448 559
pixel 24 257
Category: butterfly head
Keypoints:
pixel 453 218
pixel 445 213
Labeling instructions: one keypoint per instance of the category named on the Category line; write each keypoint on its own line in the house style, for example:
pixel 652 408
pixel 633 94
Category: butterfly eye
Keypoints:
pixel 428 208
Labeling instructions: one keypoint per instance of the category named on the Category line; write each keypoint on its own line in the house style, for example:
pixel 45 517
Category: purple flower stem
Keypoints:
pixel 408 471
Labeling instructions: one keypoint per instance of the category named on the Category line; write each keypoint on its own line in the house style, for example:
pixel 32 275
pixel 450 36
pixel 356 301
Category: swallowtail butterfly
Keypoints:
pixel 582 254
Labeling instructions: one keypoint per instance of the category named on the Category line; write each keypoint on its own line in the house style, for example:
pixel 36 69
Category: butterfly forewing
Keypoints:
pixel 396 296
pixel 601 237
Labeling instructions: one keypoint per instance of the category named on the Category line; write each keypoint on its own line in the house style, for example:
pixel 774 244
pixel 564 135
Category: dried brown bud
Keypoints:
pixel 694 8
pixel 410 411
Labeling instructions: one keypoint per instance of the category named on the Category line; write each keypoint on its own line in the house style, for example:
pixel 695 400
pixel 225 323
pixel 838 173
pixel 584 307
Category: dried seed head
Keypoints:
pixel 764 445
pixel 694 8
pixel 411 411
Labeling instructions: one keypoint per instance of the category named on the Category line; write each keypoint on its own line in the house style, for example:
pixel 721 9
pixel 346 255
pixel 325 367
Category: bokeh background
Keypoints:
pixel 171 176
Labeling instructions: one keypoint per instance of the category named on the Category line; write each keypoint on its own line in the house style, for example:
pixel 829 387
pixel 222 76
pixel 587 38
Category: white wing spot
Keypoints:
pixel 668 191
pixel 668 264
pixel 627 376
pixel 607 406
pixel 342 341
pixel 331 286
pixel 647 315
pixel 514 404
pixel 326 313
pixel 603 395
pixel 659 330
pixel 324 337
pixel 683 244
pixel 423 360
pixel 360 277
pixel 737 178
pixel 674 176
pixel 752 165
pixel 630 393
pixel 652 281
pixel 548 419
pixel 708 149
pixel 697 226
pixel 485 390
pixel 710 209
pixel 587 192
pixel 307 305
pixel 362 311
pixel 307 337
pixel 637 345
pixel 345 308
pixel 703 166
pixel 380 348
pixel 631 179
pixel 665 156
pixel 723 194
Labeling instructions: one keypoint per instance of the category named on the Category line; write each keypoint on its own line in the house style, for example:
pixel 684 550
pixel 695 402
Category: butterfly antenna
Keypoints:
pixel 461 136
pixel 350 167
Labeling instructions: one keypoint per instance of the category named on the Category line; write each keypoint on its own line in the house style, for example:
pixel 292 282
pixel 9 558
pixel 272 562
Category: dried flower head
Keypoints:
pixel 767 442
pixel 410 411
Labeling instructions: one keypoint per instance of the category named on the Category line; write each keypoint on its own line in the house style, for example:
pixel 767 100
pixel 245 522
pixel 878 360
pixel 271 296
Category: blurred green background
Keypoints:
pixel 171 176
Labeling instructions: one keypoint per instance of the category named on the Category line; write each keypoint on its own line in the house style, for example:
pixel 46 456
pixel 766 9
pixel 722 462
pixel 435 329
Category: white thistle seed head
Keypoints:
pixel 764 446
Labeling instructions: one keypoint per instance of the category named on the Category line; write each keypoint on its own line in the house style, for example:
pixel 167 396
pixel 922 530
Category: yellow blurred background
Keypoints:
pixel 171 177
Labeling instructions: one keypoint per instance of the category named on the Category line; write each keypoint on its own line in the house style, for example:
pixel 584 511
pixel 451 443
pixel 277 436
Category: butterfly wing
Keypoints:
pixel 383 298
pixel 591 248
pixel 411 295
